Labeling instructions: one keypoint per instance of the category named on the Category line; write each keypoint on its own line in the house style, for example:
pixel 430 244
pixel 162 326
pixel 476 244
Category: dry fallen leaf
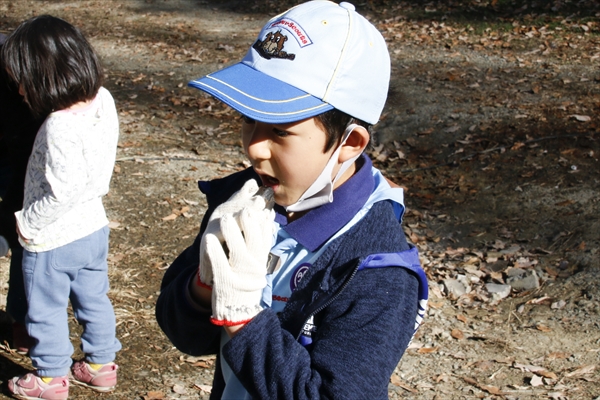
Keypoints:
pixel 179 389
pixel 457 334
pixel 536 381
pixel 487 388
pixel 470 381
pixel 427 350
pixel 170 217
pixel 115 258
pixel 557 355
pixel 491 389
pixel 204 388
pixel 201 364
pixel 543 328
pixel 586 369
pixel 154 395
pixel 540 300
pixel 547 374
pixel 396 381
pixel 528 368
pixel 581 118
pixel 181 211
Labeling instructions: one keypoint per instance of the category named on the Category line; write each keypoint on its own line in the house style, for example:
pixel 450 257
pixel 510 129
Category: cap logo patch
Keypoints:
pixel 272 46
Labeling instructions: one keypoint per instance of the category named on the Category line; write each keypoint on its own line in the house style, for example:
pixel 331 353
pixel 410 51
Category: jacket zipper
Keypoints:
pixel 331 300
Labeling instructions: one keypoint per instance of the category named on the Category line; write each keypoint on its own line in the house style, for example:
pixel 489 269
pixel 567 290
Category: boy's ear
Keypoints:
pixel 355 144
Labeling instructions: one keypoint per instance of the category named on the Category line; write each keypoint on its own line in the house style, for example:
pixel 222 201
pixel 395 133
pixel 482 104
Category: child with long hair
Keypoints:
pixel 63 226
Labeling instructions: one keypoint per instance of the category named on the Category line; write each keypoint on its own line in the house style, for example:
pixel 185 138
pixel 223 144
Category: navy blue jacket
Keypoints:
pixel 18 129
pixel 364 317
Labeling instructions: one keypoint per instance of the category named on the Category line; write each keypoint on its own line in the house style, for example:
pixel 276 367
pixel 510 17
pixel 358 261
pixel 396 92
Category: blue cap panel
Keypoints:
pixel 260 96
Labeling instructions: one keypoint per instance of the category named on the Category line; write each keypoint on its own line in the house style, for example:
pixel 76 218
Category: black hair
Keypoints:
pixel 335 122
pixel 52 63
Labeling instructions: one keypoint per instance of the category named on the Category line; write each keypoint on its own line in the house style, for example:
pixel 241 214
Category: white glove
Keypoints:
pixel 239 264
pixel 246 197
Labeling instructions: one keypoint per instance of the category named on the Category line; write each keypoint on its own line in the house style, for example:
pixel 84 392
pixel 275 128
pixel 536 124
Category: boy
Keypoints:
pixel 319 297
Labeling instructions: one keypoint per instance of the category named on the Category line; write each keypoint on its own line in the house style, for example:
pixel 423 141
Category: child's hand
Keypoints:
pixel 239 264
pixel 23 238
pixel 246 197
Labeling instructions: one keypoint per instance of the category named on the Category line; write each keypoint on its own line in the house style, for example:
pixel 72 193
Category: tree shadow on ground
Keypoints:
pixel 474 10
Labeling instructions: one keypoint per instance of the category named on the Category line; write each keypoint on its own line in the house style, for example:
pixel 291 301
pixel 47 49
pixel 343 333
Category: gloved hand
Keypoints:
pixel 239 264
pixel 246 197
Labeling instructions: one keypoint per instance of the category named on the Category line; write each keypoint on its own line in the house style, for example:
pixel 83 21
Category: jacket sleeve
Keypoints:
pixel 359 341
pixel 18 129
pixel 186 326
pixel 59 179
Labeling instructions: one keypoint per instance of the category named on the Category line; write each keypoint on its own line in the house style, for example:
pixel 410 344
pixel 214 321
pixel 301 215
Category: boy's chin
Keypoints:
pixel 282 202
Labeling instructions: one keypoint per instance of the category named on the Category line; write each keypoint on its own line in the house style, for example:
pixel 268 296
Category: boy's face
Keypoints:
pixel 287 157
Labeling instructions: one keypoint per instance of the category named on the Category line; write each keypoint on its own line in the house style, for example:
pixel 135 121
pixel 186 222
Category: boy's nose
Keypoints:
pixel 257 142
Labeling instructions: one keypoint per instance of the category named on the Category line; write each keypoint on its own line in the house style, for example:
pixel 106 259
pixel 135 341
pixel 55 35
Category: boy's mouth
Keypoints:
pixel 269 181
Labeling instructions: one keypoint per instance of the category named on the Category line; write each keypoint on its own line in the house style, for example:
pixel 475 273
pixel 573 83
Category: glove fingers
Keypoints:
pixel 257 228
pixel 234 239
pixel 250 187
pixel 243 198
pixel 213 229
pixel 217 257
pixel 247 191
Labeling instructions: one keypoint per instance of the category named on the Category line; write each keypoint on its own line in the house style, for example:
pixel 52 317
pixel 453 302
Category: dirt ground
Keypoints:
pixel 491 127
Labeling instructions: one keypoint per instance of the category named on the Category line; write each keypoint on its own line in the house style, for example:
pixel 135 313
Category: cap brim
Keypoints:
pixel 260 96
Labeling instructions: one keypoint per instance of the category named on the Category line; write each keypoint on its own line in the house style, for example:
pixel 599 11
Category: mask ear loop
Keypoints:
pixel 346 164
pixel 321 190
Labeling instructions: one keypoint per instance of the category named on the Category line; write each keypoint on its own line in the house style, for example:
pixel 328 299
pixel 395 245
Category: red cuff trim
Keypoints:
pixel 220 322
pixel 202 284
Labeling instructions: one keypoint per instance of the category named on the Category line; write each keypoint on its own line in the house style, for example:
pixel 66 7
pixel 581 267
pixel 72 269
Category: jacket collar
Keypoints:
pixel 314 228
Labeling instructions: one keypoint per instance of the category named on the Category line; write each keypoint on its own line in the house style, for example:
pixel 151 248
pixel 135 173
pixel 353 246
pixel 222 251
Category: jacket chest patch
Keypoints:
pixel 299 274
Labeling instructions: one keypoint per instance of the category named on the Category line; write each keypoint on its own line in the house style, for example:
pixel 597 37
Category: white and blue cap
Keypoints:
pixel 315 57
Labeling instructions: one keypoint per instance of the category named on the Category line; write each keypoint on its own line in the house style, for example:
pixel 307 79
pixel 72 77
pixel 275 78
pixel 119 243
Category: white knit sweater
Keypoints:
pixel 68 173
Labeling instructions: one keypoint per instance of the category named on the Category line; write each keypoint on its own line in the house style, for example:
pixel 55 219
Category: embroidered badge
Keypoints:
pixel 272 45
pixel 298 275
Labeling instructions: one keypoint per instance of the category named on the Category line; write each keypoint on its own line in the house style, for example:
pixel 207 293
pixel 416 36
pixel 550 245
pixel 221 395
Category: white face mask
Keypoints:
pixel 321 191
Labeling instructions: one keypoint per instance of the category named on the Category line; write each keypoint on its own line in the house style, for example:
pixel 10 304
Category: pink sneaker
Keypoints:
pixel 102 380
pixel 31 386
pixel 22 342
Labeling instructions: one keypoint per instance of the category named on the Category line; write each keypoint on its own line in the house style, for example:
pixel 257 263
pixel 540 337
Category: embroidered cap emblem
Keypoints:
pixel 272 46
pixel 278 33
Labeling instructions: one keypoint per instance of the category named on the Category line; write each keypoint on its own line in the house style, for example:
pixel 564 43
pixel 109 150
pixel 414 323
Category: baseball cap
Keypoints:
pixel 317 56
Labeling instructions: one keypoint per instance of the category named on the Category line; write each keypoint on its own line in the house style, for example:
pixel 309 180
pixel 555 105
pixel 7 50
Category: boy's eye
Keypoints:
pixel 280 133
pixel 247 119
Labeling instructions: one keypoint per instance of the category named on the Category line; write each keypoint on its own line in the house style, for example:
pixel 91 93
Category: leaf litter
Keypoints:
pixel 490 128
